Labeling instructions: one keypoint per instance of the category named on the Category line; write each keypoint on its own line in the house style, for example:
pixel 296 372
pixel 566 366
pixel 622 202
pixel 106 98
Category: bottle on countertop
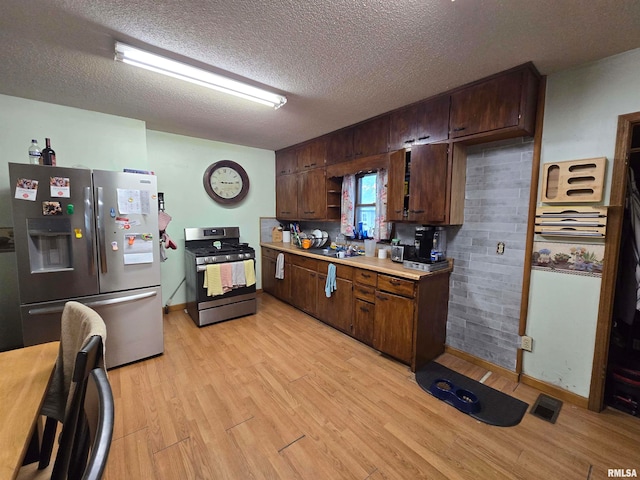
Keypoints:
pixel 35 156
pixel 48 154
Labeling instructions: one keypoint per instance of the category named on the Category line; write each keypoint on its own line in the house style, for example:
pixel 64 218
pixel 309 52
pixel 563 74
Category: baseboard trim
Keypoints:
pixel 549 389
pixel 504 372
pixel 555 391
pixel 179 306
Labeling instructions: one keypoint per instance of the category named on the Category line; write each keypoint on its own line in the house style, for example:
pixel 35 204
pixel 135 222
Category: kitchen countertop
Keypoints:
pixel 368 263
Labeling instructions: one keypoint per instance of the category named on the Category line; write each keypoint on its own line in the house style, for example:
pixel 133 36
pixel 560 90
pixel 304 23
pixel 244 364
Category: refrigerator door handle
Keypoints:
pixel 101 233
pixel 88 228
pixel 96 303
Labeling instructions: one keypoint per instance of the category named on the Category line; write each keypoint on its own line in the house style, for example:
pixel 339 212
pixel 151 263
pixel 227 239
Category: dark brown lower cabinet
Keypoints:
pixel 393 326
pixel 405 319
pixel 279 288
pixel 269 275
pixel 303 289
pixel 337 309
pixel 363 318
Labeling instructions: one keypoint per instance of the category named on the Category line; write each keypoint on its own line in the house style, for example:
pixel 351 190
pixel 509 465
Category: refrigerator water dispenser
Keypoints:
pixel 49 244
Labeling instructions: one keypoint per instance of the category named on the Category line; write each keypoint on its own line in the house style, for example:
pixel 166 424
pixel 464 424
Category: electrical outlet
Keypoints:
pixel 526 343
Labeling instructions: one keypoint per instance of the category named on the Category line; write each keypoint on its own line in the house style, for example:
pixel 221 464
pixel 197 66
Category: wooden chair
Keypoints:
pixel 94 430
pixel 86 361
pixel 79 354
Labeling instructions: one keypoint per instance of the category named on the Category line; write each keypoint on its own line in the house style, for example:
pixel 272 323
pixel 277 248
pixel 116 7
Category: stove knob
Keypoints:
pixel 207 260
pixel 228 257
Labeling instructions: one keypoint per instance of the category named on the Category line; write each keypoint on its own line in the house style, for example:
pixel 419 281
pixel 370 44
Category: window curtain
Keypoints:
pixel 347 210
pixel 382 227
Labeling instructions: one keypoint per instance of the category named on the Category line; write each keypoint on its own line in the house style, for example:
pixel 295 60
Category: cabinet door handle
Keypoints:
pixel 424 138
pixel 312 275
pixel 410 141
pixel 313 164
pixel 397 211
pixel 393 281
pixel 364 309
pixel 459 129
pixel 416 211
pixel 379 297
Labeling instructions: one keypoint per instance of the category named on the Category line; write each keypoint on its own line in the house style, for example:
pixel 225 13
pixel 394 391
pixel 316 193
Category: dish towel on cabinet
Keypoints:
pixel 280 266
pixel 213 280
pixel 249 272
pixel 331 285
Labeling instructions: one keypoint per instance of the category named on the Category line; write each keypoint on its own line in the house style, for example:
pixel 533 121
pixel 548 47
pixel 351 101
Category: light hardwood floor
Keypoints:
pixel 280 395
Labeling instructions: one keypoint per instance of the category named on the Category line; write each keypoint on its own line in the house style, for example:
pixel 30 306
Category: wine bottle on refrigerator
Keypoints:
pixel 48 154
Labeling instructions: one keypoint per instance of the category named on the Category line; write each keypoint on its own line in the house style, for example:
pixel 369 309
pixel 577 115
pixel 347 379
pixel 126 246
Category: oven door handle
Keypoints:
pixel 202 268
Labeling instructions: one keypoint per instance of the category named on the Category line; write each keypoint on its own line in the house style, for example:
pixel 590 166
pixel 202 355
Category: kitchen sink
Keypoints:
pixel 321 251
pixel 330 253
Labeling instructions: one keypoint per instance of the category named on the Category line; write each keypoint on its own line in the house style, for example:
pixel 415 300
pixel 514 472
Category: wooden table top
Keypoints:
pixel 24 378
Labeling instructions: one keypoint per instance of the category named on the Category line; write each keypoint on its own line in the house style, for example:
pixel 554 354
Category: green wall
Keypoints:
pixel 581 116
pixel 87 139
pixel 80 138
pixel 180 163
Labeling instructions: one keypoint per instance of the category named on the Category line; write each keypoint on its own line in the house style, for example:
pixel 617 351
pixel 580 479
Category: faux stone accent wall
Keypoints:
pixel 485 289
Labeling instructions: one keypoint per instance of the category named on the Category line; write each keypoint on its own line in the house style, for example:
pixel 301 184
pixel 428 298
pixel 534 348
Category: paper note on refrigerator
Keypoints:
pixel 26 189
pixel 138 248
pixel 134 201
pixel 128 201
pixel 59 187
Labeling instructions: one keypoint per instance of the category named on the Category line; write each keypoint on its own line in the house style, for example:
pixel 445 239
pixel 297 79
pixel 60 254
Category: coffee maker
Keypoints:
pixel 424 241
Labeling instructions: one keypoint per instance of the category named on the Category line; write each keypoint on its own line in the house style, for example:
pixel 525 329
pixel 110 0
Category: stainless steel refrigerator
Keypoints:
pixel 92 237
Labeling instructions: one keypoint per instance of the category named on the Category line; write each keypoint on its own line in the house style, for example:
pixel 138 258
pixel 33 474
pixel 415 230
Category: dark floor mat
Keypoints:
pixel 492 407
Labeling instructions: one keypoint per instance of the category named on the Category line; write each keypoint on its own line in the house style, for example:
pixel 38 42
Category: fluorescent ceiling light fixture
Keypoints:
pixel 156 63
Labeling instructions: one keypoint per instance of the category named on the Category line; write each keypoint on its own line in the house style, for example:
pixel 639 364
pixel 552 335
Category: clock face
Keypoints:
pixel 226 182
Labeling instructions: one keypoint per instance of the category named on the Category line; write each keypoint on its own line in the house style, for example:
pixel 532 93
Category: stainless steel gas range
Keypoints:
pixel 213 251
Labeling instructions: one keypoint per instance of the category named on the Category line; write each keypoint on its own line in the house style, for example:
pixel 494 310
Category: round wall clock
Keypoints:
pixel 226 182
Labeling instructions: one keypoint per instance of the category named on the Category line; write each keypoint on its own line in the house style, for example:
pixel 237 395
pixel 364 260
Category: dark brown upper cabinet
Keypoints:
pixel 402 127
pixel 433 120
pixel 312 154
pixel 286 161
pixel 423 122
pixel 312 196
pixel 502 106
pixel 287 197
pixel 340 146
pixel 426 185
pixel 371 137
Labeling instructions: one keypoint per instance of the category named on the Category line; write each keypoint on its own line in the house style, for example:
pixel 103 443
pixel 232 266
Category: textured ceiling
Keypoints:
pixel 338 62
